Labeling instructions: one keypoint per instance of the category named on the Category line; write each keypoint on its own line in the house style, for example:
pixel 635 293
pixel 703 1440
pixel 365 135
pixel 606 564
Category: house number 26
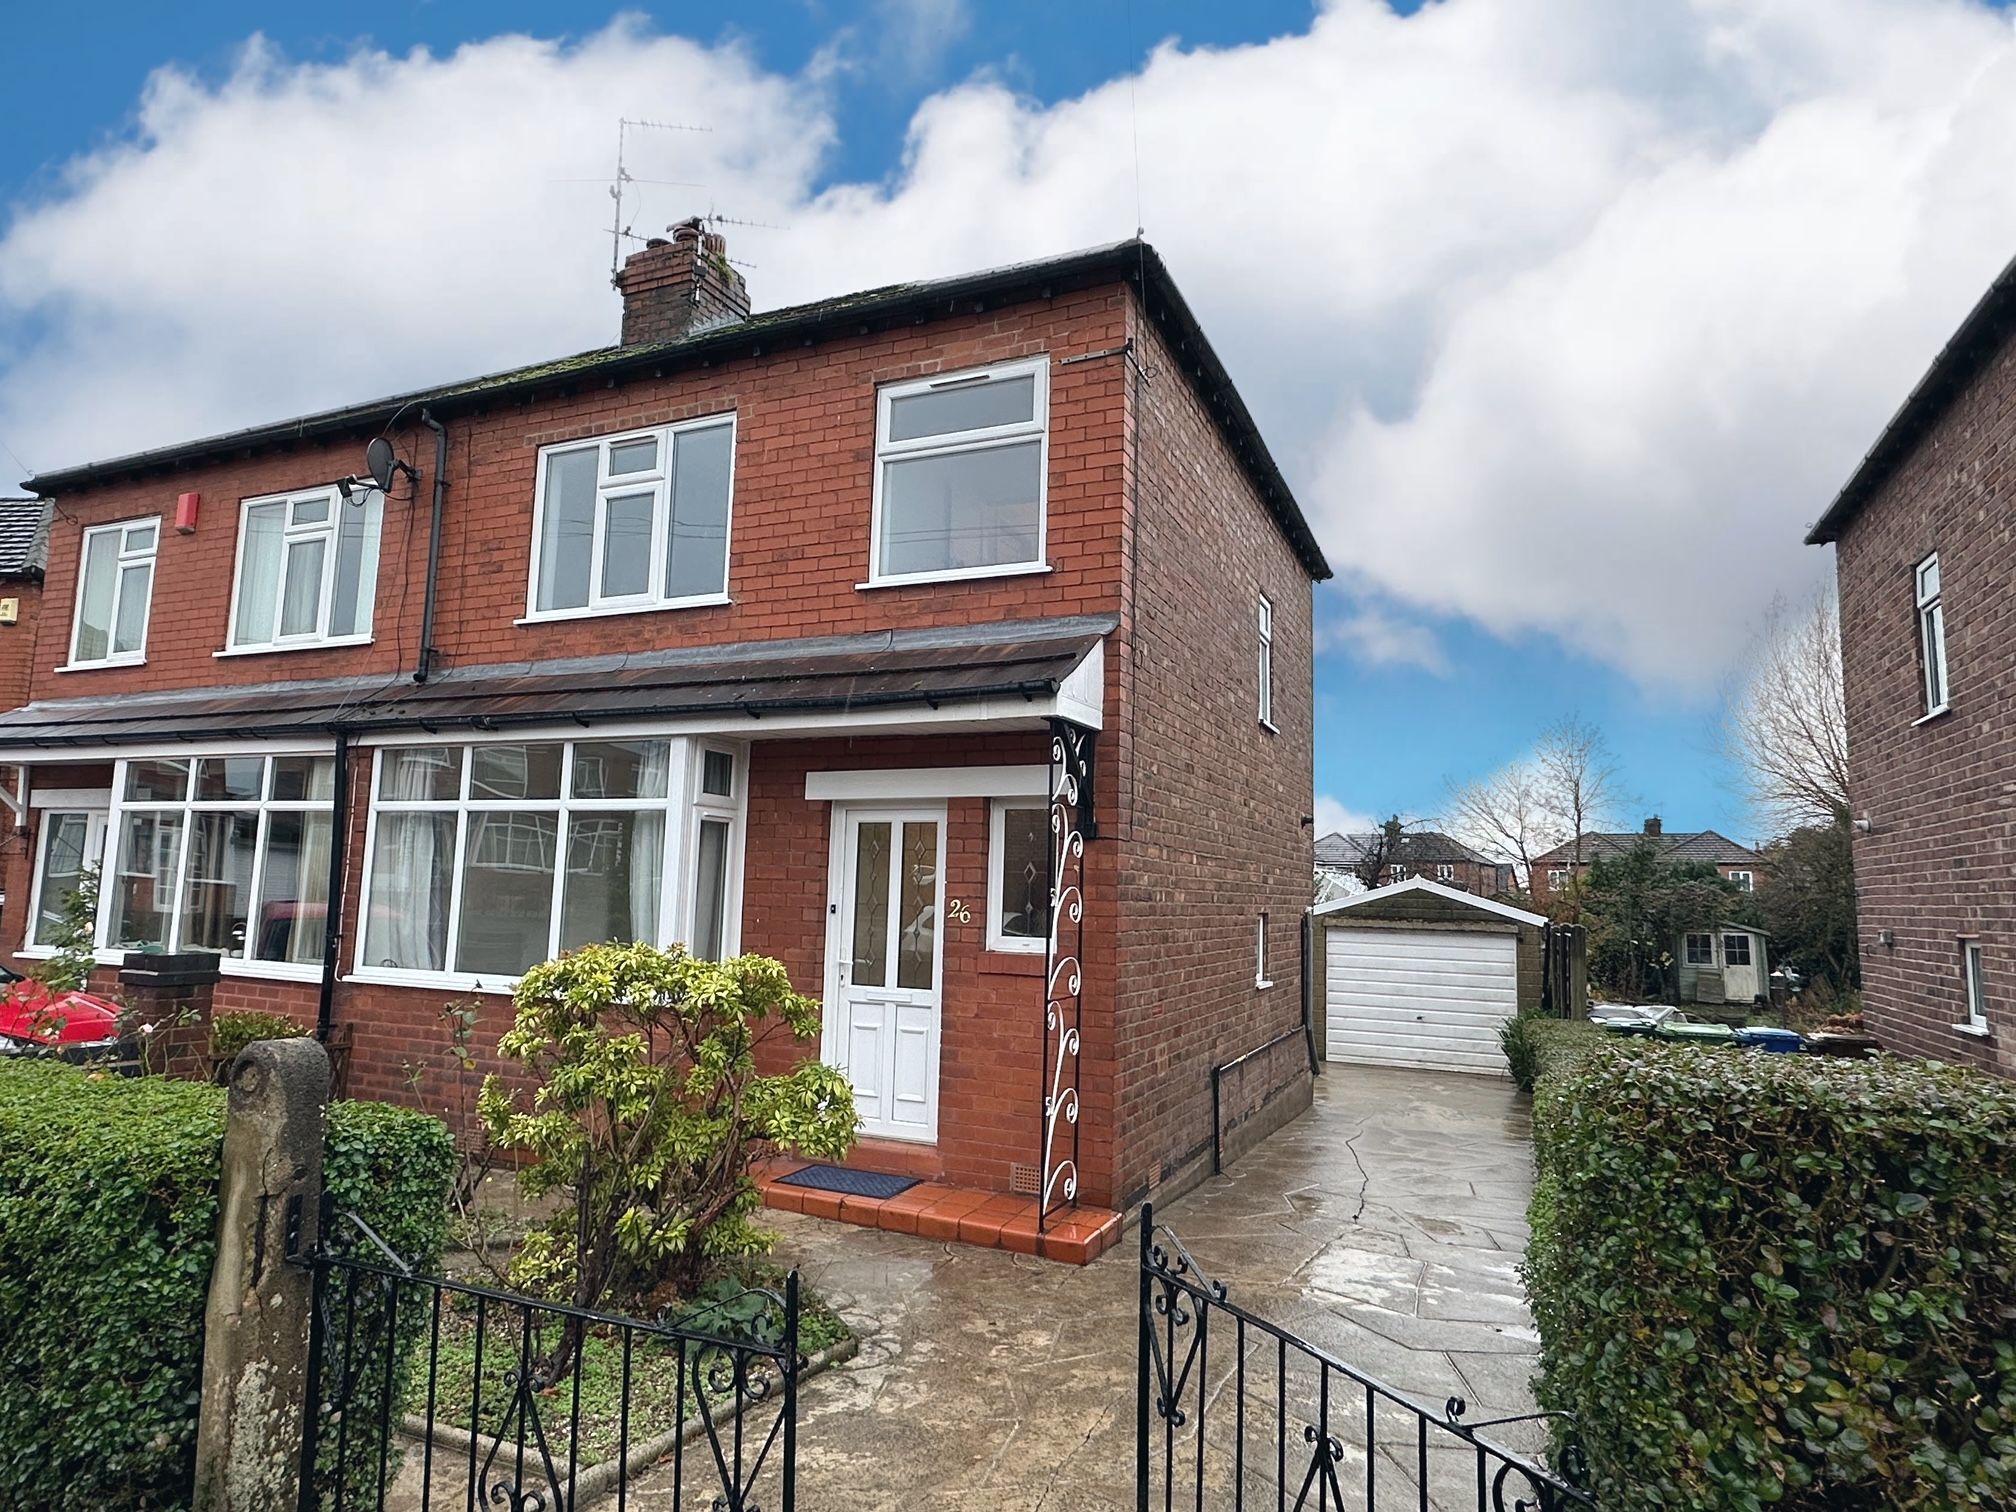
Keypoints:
pixel 958 912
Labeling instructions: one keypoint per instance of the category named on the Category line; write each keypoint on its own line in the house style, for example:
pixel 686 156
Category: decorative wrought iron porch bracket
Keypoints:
pixel 1072 823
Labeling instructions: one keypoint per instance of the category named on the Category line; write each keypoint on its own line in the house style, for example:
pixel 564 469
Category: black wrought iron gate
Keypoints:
pixel 1236 1412
pixel 426 1392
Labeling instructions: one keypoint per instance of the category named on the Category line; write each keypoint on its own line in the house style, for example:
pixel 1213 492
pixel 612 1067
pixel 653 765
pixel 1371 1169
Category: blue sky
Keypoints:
pixel 1557 361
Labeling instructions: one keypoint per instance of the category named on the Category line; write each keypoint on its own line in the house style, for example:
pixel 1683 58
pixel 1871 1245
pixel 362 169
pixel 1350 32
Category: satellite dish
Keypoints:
pixel 380 462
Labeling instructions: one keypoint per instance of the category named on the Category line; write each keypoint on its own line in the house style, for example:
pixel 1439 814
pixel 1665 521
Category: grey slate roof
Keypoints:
pixel 895 668
pixel 1133 262
pixel 1682 845
pixel 24 537
pixel 1417 848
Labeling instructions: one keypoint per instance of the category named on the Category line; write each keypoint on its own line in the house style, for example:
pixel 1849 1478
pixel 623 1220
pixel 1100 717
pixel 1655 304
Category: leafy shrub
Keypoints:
pixel 649 1111
pixel 74 937
pixel 232 1032
pixel 108 1229
pixel 1767 1280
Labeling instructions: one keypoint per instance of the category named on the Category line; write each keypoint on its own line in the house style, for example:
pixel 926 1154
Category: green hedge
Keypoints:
pixel 108 1220
pixel 1778 1281
pixel 1538 1049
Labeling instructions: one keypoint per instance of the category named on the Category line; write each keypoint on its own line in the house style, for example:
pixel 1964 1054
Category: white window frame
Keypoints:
pixel 1445 871
pixel 1974 987
pixel 187 807
pixel 1267 664
pixel 1557 876
pixel 659 482
pixel 97 826
pixel 1687 949
pixel 1036 428
pixel 1935 673
pixel 683 805
pixel 1745 880
pixel 329 530
pixel 122 560
pixel 1261 980
pixel 997 828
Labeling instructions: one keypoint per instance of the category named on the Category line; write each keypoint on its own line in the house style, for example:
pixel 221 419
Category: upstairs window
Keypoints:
pixel 1266 661
pixel 1260 976
pixel 636 521
pixel 115 587
pixel 961 464
pixel 307 569
pixel 1747 881
pixel 1445 871
pixel 1931 634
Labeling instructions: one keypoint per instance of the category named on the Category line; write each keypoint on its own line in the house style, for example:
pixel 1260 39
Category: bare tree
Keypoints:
pixel 1381 849
pixel 1506 816
pixel 1786 724
pixel 1577 777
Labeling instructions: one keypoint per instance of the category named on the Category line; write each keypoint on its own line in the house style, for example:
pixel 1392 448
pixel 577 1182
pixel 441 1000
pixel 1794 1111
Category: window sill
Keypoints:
pixel 1972 1031
pixel 430 980
pixel 1939 713
pixel 607 611
pixel 955 575
pixel 278 650
pixel 102 666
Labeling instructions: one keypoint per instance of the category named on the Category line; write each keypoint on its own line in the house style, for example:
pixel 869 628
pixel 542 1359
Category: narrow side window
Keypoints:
pixel 1931 633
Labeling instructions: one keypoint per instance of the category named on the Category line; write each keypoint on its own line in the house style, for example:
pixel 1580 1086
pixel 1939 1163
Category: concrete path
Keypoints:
pixel 1386 1226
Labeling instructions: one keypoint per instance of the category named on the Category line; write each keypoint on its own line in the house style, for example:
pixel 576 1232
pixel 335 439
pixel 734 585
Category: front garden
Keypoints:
pixel 1774 1281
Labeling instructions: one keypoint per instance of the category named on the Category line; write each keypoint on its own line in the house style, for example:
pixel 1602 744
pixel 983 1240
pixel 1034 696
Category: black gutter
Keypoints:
pixel 339 849
pixel 426 661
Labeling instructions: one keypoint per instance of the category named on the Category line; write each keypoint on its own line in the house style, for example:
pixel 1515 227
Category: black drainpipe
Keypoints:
pixel 339 848
pixel 426 662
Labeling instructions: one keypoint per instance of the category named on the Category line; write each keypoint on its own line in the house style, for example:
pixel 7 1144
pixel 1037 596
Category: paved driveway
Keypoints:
pixel 1386 1225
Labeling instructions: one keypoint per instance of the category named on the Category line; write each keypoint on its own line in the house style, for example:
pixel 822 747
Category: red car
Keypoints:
pixel 33 1018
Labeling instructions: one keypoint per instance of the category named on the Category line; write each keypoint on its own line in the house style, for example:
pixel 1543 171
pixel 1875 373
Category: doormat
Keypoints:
pixel 827 1178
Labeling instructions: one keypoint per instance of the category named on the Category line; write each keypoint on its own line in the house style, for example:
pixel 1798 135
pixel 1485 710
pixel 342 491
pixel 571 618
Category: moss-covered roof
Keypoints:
pixel 1133 262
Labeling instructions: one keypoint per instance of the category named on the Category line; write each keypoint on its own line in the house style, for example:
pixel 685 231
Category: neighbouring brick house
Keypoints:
pixel 789 633
pixel 1420 853
pixel 1553 870
pixel 1924 555
pixel 24 550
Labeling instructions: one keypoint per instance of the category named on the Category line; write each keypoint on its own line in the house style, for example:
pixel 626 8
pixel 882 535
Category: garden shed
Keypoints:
pixel 1420 975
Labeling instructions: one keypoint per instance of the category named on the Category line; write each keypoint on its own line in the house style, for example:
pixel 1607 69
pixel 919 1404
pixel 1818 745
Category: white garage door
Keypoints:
pixel 1430 998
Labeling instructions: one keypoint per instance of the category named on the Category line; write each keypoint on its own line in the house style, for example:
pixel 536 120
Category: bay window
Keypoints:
pixel 487 859
pixel 221 853
pixel 961 469
pixel 115 589
pixel 636 521
pixel 307 569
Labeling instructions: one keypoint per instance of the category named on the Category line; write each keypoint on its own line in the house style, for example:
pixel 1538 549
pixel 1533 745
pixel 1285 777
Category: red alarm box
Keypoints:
pixel 185 513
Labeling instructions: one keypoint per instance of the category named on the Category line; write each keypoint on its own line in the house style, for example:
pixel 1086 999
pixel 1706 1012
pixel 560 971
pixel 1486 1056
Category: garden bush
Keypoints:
pixel 232 1032
pixel 1537 1048
pixel 1778 1281
pixel 108 1227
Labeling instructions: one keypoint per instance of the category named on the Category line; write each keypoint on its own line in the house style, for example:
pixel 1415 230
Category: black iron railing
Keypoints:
pixel 1234 1411
pixel 433 1393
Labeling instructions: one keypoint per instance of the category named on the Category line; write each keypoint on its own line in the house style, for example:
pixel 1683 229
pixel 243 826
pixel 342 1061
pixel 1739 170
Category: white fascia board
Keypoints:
pixel 1422 884
pixel 904 783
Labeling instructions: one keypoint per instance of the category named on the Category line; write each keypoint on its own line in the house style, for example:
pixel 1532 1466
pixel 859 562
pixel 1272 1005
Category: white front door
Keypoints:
pixel 883 964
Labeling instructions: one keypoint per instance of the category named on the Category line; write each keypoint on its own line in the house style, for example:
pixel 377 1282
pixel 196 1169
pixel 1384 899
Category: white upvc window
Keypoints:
pixel 1557 876
pixel 69 842
pixel 1260 976
pixel 1931 634
pixel 961 475
pixel 1974 978
pixel 1266 661
pixel 1745 880
pixel 226 853
pixel 307 571
pixel 634 521
pixel 1018 875
pixel 1399 873
pixel 115 591
pixel 1700 950
pixel 485 859
pixel 1445 871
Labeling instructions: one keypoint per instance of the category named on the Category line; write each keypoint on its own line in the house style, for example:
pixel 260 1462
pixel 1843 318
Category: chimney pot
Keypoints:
pixel 680 284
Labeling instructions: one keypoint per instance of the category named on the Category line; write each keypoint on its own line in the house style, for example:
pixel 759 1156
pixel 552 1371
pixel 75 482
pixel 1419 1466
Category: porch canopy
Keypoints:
pixel 1018 671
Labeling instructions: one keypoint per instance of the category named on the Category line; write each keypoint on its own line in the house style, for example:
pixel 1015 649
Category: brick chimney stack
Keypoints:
pixel 680 284
pixel 1653 826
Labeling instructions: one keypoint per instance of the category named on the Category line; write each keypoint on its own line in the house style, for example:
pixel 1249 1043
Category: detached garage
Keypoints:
pixel 1417 974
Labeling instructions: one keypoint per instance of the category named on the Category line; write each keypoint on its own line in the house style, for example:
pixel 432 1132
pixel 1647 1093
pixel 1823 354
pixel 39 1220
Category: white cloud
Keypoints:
pixel 1372 633
pixel 1334 817
pixel 1565 316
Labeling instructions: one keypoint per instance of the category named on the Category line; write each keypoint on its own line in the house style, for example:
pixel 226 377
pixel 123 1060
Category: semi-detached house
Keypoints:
pixel 828 633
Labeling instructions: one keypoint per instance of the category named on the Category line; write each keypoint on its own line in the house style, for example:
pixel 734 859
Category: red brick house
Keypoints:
pixel 24 549
pixel 791 632
pixel 1554 869
pixel 1924 554
pixel 1420 853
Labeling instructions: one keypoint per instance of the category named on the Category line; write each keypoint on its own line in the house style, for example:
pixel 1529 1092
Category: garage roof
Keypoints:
pixel 1422 884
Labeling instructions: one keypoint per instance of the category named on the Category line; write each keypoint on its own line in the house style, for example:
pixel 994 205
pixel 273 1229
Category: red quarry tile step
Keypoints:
pixel 932 1210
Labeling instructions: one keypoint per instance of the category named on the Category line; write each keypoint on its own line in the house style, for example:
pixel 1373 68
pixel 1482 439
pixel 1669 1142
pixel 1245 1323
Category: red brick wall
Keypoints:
pixel 1939 860
pixel 1206 805
pixel 804 471
pixel 18 651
